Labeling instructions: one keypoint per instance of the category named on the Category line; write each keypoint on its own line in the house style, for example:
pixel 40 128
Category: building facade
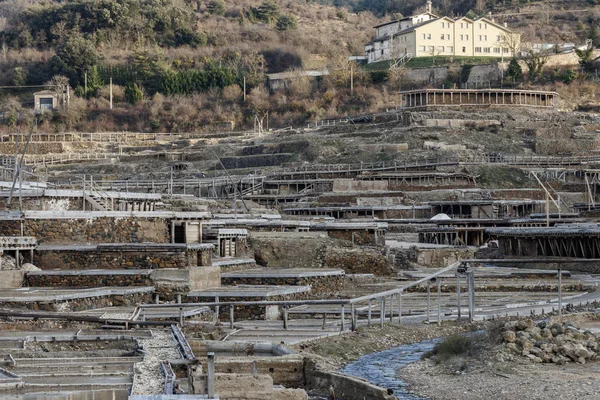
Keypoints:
pixel 427 35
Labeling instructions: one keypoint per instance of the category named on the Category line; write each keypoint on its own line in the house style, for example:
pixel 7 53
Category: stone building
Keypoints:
pixel 46 100
pixel 427 35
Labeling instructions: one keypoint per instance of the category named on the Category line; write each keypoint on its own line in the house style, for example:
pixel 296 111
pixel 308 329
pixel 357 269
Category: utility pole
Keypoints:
pixel 351 79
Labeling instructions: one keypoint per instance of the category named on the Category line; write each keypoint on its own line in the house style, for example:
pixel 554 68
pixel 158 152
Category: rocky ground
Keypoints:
pixel 512 370
pixel 148 376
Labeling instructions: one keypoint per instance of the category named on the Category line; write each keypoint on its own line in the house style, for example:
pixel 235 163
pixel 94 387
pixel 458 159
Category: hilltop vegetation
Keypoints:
pixel 181 65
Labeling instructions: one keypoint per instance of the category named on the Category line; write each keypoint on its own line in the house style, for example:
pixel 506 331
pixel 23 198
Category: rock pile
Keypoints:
pixel 555 343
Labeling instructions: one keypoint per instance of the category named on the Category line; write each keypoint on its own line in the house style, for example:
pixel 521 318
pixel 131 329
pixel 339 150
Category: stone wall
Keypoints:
pixel 358 261
pixel 361 237
pixel 71 259
pixel 321 286
pixel 310 253
pixel 47 203
pixel 39 147
pixel 92 230
pixel 350 185
pixel 424 76
pixel 88 303
pixel 482 74
pixel 87 281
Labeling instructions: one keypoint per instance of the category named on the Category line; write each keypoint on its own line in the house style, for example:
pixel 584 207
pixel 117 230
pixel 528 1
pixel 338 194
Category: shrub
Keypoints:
pixel 286 22
pixel 216 7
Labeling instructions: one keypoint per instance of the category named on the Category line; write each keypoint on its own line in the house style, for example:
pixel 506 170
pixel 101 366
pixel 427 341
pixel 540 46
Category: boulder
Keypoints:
pixel 534 358
pixel 546 333
pixel 524 324
pixel 526 345
pixel 509 336
pixel 536 351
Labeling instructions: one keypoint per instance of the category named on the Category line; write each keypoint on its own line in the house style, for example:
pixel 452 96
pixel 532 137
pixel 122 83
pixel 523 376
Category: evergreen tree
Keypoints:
pixel 515 72
pixel 133 94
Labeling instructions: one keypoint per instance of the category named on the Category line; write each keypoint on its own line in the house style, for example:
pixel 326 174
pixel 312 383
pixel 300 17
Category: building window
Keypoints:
pixel 440 49
pixel 424 36
pixel 466 37
pixel 480 25
pixel 485 38
pixel 442 36
pixel 429 36
pixel 480 38
pixel 496 49
pixel 505 50
pixel 442 24
pixel 381 52
pixel 449 49
pixel 464 49
pixel 461 37
pixel 461 25
pixel 447 36
pixel 485 26
pixel 421 48
pixel 486 49
pixel 430 49
pixel 498 38
pixel 477 49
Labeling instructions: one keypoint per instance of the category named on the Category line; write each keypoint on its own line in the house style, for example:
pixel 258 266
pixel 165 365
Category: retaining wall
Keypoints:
pixel 90 230
pixel 322 286
pixel 345 387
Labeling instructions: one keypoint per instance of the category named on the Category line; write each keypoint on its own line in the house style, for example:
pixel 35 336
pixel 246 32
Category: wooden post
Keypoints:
pixel 369 314
pixel 458 296
pixel 285 317
pixel 559 291
pixel 399 308
pixel 439 300
pixel 382 312
pixel 428 298
pixel 343 316
pixel 471 283
pixel 231 308
pixel 352 317
pixel 351 79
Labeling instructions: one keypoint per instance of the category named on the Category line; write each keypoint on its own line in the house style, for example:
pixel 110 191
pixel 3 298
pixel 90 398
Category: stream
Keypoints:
pixel 381 368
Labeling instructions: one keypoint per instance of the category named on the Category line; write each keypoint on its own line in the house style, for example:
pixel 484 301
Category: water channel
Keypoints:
pixel 381 368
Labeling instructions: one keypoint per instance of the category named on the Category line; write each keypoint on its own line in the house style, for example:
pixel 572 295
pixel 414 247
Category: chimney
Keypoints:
pixel 428 7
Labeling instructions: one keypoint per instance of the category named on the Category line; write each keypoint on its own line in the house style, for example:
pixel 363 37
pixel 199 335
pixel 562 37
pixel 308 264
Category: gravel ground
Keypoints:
pixel 507 380
pixel 149 378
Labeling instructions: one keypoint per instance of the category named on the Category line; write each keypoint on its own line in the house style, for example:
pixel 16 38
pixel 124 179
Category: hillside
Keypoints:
pixel 181 65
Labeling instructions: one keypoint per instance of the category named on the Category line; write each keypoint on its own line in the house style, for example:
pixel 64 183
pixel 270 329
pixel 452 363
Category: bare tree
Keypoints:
pixel 434 52
pixel 510 41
